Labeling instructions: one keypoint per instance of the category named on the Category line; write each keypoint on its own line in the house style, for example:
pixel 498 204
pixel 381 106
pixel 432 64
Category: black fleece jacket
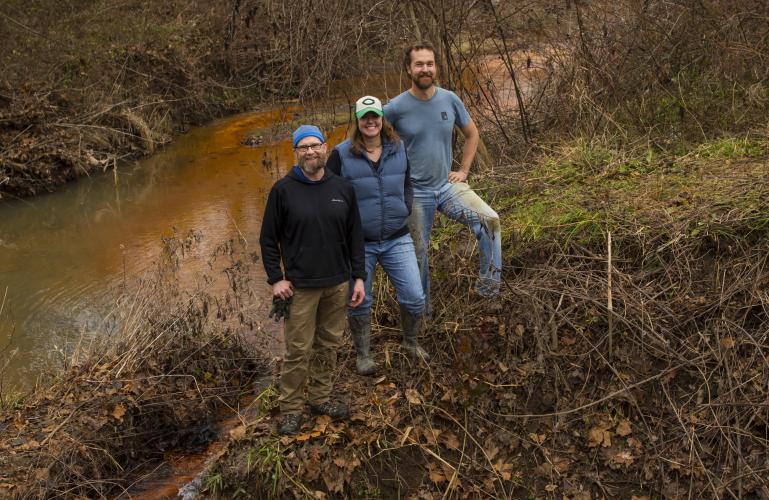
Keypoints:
pixel 314 229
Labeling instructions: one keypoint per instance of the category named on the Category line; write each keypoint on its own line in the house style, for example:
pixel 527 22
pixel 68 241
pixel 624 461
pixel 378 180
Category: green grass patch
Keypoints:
pixel 580 189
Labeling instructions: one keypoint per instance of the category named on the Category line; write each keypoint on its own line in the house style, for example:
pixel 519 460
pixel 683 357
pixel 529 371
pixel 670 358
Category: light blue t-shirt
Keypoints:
pixel 426 127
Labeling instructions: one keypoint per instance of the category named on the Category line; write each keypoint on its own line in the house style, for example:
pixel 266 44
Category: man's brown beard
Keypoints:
pixel 419 85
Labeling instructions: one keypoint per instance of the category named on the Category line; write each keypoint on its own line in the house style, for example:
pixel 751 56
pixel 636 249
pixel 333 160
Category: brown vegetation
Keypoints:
pixel 159 384
pixel 628 354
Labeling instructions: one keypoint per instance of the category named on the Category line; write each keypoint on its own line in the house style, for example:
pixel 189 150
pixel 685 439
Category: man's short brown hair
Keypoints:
pixel 417 46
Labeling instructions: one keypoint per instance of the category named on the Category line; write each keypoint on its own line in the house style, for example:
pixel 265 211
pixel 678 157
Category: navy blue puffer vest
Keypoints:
pixel 380 192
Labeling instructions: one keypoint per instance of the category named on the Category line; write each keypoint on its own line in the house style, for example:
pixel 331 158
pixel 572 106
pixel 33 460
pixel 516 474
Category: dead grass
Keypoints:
pixel 159 384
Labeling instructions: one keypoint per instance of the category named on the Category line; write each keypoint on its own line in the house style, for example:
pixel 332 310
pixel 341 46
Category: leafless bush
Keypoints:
pixel 687 68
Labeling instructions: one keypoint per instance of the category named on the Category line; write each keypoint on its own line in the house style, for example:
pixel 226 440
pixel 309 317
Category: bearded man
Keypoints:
pixel 312 227
pixel 425 117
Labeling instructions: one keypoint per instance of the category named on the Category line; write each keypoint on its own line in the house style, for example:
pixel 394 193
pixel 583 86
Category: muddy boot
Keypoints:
pixel 360 327
pixel 335 410
pixel 291 424
pixel 411 325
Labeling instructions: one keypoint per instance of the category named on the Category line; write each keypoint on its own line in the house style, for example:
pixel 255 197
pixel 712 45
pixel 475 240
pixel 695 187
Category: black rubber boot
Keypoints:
pixel 360 327
pixel 411 325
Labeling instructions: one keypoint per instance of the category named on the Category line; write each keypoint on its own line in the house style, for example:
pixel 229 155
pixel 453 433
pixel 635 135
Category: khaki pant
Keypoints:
pixel 313 334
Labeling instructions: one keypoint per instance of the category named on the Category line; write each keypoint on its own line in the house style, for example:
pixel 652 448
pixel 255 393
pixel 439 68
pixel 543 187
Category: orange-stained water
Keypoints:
pixel 62 255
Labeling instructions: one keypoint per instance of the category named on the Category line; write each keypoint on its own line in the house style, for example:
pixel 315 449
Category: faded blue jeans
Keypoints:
pixel 399 262
pixel 459 203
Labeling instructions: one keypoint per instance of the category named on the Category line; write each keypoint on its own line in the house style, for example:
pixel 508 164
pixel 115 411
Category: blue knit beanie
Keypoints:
pixel 307 131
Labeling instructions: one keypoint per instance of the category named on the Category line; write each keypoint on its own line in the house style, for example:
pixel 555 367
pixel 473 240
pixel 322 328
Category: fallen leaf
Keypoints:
pixel 413 397
pixel 450 440
pixel 503 367
pixel 519 329
pixel 623 458
pixel 598 436
pixel 321 423
pixel 560 463
pixel 380 380
pixel 502 466
pixel 30 445
pixel 118 412
pixel 727 342
pixel 491 451
pixel 340 462
pixel 42 474
pixel 538 438
pixel 623 428
pixel 437 477
pixel 430 434
pixel 238 432
pixel 551 488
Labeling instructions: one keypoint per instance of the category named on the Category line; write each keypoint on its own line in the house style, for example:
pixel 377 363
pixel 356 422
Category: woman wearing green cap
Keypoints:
pixel 374 159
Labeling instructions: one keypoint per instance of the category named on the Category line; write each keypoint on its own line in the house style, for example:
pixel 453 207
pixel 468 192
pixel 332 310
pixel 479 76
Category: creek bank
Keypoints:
pixel 556 389
pixel 159 385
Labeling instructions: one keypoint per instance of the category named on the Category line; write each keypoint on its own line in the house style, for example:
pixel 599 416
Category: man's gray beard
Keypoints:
pixel 321 162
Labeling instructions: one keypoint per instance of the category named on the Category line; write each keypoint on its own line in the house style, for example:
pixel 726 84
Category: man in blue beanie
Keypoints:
pixel 312 245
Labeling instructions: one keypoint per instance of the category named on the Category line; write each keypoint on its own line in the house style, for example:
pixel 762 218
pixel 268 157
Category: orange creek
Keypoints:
pixel 63 255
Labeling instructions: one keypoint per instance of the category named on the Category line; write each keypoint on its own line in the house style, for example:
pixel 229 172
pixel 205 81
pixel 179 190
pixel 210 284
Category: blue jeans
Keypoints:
pixel 459 203
pixel 399 261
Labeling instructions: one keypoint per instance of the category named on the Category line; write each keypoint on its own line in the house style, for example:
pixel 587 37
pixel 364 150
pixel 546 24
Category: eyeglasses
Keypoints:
pixel 309 147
